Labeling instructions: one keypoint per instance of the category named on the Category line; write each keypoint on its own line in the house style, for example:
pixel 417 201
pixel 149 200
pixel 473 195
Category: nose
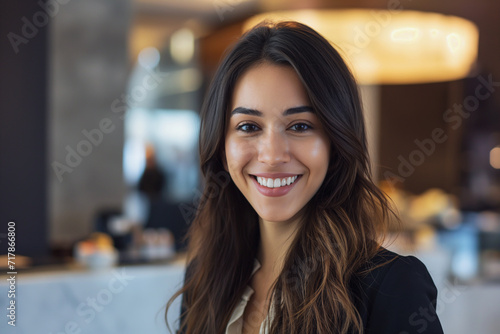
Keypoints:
pixel 273 148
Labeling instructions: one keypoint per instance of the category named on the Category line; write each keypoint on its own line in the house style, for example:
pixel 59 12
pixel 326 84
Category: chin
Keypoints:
pixel 277 217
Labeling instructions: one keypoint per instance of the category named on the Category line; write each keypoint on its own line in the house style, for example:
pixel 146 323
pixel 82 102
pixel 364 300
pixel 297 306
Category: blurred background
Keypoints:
pixel 98 151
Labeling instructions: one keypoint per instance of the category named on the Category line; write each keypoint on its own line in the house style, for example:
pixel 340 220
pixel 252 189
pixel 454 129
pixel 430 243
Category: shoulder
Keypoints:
pixel 396 295
pixel 387 267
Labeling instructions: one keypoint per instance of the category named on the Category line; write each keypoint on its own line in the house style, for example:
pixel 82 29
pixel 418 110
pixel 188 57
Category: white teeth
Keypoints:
pixel 270 183
pixel 276 183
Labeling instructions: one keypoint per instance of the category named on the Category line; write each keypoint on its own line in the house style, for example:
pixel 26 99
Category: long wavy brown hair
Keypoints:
pixel 342 223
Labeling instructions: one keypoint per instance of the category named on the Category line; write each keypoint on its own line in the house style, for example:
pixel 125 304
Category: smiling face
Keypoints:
pixel 276 150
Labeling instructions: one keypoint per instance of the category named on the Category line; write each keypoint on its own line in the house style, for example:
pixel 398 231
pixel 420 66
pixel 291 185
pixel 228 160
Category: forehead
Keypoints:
pixel 269 87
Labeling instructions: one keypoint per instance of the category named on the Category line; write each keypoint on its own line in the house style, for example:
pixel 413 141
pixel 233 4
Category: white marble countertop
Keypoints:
pixel 124 300
pixel 131 300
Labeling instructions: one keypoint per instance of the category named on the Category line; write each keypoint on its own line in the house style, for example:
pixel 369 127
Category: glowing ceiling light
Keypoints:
pixel 393 46
pixel 404 35
pixel 454 42
pixel 182 46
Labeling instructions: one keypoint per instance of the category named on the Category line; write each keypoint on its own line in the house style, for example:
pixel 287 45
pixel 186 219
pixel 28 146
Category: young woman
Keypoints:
pixel 287 236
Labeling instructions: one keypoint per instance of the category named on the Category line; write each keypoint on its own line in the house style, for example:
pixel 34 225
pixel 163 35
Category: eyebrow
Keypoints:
pixel 254 112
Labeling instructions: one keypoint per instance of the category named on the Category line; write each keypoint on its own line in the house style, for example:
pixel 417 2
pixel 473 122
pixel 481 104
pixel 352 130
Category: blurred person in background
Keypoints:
pixel 152 180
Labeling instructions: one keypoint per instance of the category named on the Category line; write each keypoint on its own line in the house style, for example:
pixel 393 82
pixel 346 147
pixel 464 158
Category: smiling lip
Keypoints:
pixel 275 192
pixel 275 175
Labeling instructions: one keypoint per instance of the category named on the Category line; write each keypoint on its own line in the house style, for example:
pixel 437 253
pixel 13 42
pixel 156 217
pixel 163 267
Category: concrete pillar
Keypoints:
pixel 88 71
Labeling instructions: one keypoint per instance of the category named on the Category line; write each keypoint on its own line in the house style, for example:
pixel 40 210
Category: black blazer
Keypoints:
pixel 396 298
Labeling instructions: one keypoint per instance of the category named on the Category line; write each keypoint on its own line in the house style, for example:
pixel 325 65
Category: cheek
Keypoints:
pixel 238 154
pixel 318 155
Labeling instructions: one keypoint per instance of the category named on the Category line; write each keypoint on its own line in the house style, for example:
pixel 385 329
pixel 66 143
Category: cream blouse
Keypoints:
pixel 235 324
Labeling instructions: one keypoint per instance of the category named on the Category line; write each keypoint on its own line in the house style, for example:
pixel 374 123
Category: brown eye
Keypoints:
pixel 301 127
pixel 247 127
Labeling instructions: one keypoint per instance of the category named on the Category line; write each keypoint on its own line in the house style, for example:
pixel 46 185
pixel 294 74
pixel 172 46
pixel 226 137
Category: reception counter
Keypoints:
pixel 121 300
pixel 131 300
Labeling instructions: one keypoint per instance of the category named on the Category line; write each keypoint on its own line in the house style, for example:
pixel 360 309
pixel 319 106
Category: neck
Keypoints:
pixel 275 240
